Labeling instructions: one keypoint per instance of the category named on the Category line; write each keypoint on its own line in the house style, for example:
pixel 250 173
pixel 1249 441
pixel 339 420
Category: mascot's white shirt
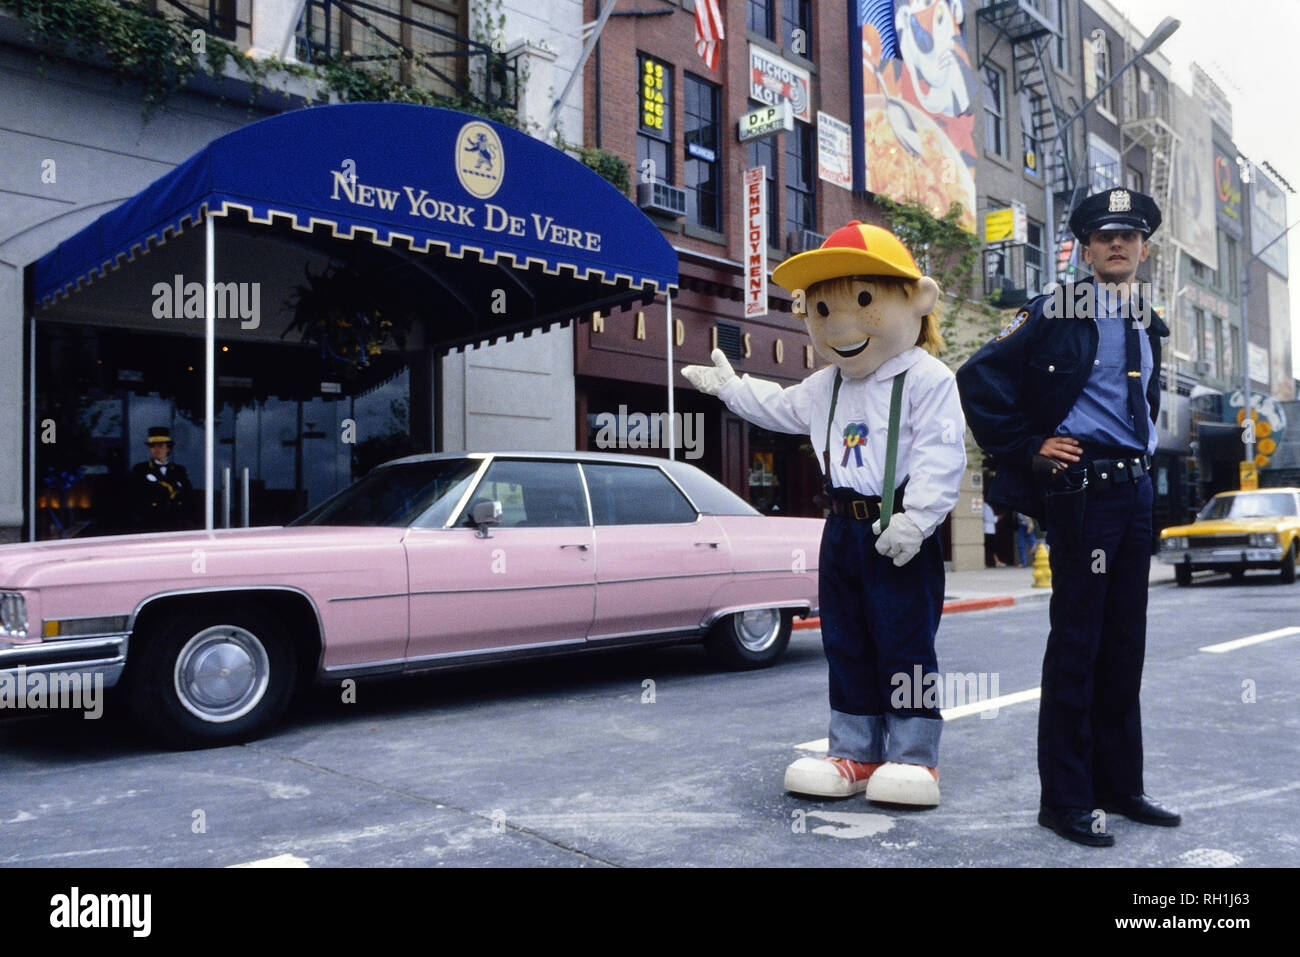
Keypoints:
pixel 931 441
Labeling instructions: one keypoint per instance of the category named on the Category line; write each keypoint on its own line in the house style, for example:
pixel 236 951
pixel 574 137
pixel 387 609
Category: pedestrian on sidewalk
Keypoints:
pixel 990 536
pixel 1065 398
pixel 1025 540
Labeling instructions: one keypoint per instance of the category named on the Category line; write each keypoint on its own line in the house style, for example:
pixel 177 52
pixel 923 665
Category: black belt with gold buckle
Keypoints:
pixel 1112 471
pixel 846 503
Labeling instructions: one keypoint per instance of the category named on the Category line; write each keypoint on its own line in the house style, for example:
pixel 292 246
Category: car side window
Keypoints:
pixel 532 494
pixel 635 495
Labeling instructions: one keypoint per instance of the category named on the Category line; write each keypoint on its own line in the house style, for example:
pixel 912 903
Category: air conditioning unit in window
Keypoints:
pixel 1202 367
pixel 661 198
pixel 803 240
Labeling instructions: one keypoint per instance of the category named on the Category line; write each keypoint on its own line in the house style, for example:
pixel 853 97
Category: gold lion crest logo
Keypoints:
pixel 480 161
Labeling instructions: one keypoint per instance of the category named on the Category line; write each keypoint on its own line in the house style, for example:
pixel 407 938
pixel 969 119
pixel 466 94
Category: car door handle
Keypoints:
pixel 708 544
pixel 581 545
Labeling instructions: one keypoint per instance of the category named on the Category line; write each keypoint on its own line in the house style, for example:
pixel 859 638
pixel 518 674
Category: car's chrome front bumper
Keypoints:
pixel 102 655
pixel 1222 556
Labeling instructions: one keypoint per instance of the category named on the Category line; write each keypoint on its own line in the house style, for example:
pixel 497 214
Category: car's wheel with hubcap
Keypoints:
pixel 750 639
pixel 1287 572
pixel 203 678
pixel 1183 575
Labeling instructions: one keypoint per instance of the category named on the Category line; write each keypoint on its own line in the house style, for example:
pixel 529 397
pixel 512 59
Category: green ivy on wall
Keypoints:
pixel 950 255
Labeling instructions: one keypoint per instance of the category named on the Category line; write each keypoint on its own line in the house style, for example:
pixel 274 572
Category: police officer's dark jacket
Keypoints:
pixel 1021 385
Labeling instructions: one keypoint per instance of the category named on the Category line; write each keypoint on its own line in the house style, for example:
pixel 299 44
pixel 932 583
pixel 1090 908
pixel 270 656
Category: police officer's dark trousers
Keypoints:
pixel 878 622
pixel 1089 724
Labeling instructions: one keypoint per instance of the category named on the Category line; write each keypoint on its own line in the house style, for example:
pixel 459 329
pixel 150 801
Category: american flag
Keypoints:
pixel 708 31
pixel 880 14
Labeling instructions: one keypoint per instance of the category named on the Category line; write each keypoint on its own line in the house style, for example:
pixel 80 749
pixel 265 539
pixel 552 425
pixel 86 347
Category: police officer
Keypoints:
pixel 160 487
pixel 1065 399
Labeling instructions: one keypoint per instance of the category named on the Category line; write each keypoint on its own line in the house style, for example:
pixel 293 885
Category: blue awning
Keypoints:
pixel 438 181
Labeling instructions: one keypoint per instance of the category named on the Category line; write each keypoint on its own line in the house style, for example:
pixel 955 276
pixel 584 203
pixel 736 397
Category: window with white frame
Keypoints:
pixel 1031 106
pixel 1101 69
pixel 1061 44
pixel 995 110
pixel 1033 257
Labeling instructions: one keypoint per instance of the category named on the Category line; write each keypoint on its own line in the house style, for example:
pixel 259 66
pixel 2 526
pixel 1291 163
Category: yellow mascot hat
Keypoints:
pixel 857 249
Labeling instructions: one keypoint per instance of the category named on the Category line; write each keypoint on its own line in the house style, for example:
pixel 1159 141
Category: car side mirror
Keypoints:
pixel 484 515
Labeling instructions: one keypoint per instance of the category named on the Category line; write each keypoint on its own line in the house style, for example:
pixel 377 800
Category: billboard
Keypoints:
pixel 1267 220
pixel 913 103
pixel 1214 100
pixel 1227 192
pixel 1192 219
pixel 1279 325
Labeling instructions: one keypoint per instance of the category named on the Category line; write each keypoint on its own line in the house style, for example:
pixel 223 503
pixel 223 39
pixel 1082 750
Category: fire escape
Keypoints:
pixel 1149 128
pixel 1030 35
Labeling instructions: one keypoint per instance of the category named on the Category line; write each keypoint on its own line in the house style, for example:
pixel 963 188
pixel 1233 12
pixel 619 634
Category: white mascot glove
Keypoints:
pixel 711 379
pixel 900 541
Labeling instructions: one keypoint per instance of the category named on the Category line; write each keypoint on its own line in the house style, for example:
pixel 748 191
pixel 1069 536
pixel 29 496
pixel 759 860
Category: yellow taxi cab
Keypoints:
pixel 1235 531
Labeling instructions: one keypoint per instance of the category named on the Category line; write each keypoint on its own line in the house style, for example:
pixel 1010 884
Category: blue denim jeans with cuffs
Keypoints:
pixel 878 627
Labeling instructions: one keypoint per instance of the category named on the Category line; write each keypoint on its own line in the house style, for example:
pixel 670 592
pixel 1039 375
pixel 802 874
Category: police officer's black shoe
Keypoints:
pixel 1074 824
pixel 1143 810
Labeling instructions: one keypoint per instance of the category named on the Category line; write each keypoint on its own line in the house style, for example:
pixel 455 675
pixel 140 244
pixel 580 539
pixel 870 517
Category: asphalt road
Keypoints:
pixel 583 762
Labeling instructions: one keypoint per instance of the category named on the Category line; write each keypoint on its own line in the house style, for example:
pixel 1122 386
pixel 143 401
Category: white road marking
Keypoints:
pixel 952 714
pixel 991 704
pixel 281 860
pixel 1250 640
pixel 1258 794
pixel 64 854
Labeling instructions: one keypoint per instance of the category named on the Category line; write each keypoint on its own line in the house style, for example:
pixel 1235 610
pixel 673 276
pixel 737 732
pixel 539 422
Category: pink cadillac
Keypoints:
pixel 429 562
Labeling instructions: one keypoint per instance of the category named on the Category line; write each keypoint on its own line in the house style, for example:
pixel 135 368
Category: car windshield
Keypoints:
pixel 421 493
pixel 1252 505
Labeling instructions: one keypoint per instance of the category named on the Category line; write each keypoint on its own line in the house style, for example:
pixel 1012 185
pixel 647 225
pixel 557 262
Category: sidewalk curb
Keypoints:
pixel 955 605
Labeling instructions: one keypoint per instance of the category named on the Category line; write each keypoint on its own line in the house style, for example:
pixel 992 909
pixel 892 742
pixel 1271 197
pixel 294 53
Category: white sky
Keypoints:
pixel 1250 49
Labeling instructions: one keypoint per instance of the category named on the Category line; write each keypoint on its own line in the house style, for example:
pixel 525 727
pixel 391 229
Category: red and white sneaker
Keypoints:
pixel 911 784
pixel 828 777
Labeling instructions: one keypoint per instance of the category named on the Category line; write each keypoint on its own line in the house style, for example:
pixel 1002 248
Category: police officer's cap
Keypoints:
pixel 159 434
pixel 1115 209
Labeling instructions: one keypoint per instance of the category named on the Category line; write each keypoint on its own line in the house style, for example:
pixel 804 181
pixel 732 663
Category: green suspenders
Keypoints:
pixel 891 446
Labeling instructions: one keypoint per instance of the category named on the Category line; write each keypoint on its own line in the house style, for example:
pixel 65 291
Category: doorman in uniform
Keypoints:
pixel 160 488
pixel 886 422
pixel 1065 398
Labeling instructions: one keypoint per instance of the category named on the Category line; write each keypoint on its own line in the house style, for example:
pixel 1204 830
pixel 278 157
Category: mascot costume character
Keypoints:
pixel 893 475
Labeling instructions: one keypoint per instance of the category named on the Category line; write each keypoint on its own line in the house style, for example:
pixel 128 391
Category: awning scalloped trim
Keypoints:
pixel 194 218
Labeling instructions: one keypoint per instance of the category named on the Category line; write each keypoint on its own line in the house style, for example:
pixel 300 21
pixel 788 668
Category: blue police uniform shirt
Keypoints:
pixel 1101 413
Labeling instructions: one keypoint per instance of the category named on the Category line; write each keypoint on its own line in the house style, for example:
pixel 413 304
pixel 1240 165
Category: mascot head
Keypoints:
pixel 863 298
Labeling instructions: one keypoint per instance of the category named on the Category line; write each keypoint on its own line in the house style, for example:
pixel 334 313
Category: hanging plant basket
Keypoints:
pixel 349 315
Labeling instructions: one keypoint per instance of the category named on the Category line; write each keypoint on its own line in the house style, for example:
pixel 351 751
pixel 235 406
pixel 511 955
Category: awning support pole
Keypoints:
pixel 209 366
pixel 668 329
